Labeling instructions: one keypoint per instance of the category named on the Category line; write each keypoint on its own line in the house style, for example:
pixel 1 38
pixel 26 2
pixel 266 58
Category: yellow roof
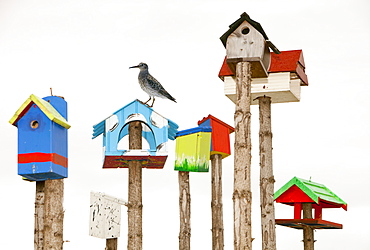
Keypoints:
pixel 45 107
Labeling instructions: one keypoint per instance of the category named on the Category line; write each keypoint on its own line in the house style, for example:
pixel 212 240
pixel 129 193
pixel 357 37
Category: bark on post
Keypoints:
pixel 53 214
pixel 135 206
pixel 308 237
pixel 184 204
pixel 39 216
pixel 266 176
pixel 242 196
pixel 111 244
pixel 216 204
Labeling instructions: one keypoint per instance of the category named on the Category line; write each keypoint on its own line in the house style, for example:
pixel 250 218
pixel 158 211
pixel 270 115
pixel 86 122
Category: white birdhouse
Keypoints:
pixel 284 81
pixel 105 216
pixel 246 41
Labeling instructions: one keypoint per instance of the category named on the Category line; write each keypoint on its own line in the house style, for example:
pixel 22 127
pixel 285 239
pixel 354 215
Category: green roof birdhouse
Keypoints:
pixel 298 191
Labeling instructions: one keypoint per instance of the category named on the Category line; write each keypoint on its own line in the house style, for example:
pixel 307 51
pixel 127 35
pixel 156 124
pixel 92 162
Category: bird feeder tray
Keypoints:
pixel 283 83
pixel 220 139
pixel 42 138
pixel 313 223
pixel 193 149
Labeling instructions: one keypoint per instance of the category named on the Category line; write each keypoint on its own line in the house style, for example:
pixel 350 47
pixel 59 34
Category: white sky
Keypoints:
pixel 83 49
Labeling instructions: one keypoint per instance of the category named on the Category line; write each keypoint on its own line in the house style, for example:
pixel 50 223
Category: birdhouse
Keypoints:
pixel 193 149
pixel 284 81
pixel 220 139
pixel 298 191
pixel 246 41
pixel 105 216
pixel 42 138
pixel 156 132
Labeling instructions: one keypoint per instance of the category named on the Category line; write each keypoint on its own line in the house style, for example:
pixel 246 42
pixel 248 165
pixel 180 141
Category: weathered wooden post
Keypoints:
pixel 220 148
pixel 247 55
pixel 136 121
pixel 306 195
pixel 192 155
pixel 43 157
pixel 286 76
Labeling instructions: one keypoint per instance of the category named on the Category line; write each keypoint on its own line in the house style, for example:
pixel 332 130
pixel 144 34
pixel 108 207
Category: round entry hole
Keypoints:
pixel 245 31
pixel 34 124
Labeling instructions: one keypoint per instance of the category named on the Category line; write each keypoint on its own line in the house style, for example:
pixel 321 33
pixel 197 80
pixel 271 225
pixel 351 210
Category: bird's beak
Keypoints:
pixel 134 66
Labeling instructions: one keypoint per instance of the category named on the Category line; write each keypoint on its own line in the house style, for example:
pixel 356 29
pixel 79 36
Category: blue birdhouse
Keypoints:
pixel 42 138
pixel 156 132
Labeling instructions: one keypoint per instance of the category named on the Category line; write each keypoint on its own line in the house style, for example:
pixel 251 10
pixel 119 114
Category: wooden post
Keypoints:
pixel 308 237
pixel 266 176
pixel 242 196
pixel 135 206
pixel 111 244
pixel 53 214
pixel 216 203
pixel 184 204
pixel 39 216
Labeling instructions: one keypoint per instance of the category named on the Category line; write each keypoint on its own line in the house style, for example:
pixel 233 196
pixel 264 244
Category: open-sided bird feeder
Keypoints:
pixel 286 75
pixel 42 138
pixel 299 191
pixel 220 136
pixel 193 149
pixel 156 130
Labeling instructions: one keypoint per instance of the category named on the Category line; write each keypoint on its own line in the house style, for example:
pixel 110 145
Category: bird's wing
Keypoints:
pixel 153 82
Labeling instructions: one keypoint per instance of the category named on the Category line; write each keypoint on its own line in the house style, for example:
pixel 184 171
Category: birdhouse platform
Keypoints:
pixel 298 191
pixel 286 75
pixel 220 136
pixel 156 132
pixel 42 138
pixel 193 149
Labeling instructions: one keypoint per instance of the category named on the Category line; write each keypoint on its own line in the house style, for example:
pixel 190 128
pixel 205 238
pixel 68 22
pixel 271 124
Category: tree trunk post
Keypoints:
pixel 242 196
pixel 184 204
pixel 39 215
pixel 216 203
pixel 308 237
pixel 266 176
pixel 53 214
pixel 111 244
pixel 135 206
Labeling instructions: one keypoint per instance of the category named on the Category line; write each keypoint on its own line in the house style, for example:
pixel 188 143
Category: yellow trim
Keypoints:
pixel 45 107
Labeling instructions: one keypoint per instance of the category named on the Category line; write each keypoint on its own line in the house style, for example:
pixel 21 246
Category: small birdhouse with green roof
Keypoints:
pixel 220 136
pixel 299 191
pixel 193 149
pixel 42 138
pixel 246 41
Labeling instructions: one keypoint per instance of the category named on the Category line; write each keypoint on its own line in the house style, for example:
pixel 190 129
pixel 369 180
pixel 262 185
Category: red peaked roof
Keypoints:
pixel 287 61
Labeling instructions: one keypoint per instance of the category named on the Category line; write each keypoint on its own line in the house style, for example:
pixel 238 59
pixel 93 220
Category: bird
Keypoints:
pixel 150 85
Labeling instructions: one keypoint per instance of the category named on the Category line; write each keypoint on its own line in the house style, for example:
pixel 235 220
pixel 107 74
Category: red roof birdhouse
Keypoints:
pixel 286 75
pixel 220 139
pixel 298 191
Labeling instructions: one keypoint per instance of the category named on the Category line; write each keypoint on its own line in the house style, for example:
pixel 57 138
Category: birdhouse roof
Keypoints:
pixel 231 129
pixel 44 106
pixel 298 190
pixel 286 61
pixel 256 25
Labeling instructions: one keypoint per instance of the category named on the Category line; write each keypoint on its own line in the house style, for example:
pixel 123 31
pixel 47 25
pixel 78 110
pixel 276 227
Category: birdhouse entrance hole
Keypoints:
pixel 245 30
pixel 34 124
pixel 123 143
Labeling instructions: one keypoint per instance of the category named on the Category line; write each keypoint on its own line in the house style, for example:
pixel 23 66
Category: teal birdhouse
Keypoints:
pixel 298 191
pixel 156 132
pixel 193 149
pixel 42 138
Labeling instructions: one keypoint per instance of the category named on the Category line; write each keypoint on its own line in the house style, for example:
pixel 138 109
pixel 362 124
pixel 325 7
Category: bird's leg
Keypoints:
pixel 152 102
pixel 148 100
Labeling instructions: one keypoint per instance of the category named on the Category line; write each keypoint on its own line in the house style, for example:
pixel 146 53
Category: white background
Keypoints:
pixel 83 49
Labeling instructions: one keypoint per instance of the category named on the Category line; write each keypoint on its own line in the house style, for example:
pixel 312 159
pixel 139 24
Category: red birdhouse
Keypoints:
pixel 298 191
pixel 220 139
